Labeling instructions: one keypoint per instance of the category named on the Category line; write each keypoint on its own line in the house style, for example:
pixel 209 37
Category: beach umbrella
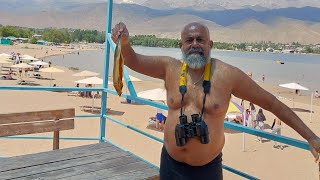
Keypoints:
pixel 4 58
pixel 51 70
pixel 157 94
pixel 28 57
pixel 133 79
pixel 94 81
pixel 22 66
pixel 294 86
pixel 91 80
pixel 39 63
pixel 5 55
pixel 3 61
pixel 86 74
pixel 234 108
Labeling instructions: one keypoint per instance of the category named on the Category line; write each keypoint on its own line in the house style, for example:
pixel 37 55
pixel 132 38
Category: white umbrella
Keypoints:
pixel 154 94
pixel 86 74
pixel 28 57
pixel 39 63
pixel 132 78
pixel 51 70
pixel 294 86
pixel 3 61
pixel 5 55
pixel 4 58
pixel 92 80
pixel 22 66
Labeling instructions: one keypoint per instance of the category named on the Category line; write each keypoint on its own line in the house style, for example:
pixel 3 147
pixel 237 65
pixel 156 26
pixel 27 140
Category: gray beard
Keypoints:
pixel 195 61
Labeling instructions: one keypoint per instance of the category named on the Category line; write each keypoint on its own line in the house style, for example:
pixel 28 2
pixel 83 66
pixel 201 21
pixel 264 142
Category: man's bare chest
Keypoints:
pixel 216 102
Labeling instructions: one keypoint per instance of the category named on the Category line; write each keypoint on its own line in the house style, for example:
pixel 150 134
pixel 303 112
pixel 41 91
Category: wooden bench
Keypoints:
pixel 37 122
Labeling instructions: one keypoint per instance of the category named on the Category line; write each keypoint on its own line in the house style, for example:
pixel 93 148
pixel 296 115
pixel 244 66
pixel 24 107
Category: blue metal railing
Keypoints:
pixel 103 115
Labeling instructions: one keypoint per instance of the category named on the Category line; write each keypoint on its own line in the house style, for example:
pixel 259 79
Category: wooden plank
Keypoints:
pixel 149 173
pixel 36 116
pixel 122 170
pixel 125 169
pixel 82 170
pixel 17 162
pixel 36 127
pixel 68 167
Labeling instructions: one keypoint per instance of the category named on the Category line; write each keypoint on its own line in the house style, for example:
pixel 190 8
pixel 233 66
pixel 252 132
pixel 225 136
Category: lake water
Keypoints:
pixel 301 68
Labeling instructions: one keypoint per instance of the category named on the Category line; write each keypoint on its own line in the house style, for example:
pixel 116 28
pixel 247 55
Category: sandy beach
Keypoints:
pixel 259 159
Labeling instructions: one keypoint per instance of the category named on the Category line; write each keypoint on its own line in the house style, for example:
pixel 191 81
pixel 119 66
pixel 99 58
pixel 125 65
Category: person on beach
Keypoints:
pixel 252 115
pixel 259 122
pixel 201 85
pixel 159 119
pixel 276 129
pixel 263 78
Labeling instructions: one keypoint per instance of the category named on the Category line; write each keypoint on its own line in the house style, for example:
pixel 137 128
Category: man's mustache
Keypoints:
pixel 195 50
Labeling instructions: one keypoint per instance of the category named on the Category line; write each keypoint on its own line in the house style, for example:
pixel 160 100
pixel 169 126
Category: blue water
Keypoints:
pixel 300 68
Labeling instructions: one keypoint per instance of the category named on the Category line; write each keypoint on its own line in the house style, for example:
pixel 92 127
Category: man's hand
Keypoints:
pixel 315 147
pixel 120 29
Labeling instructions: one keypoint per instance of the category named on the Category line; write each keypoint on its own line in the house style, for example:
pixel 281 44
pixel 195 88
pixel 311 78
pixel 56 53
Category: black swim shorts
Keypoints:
pixel 171 169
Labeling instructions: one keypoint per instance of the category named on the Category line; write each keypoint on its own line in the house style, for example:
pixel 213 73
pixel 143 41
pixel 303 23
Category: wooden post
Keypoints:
pixel 55 140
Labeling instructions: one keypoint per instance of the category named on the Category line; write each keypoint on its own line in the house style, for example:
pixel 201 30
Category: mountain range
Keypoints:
pixel 246 24
pixel 222 4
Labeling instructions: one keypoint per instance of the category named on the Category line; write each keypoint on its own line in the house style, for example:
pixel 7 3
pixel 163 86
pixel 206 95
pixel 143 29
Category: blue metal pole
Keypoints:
pixel 129 83
pixel 106 72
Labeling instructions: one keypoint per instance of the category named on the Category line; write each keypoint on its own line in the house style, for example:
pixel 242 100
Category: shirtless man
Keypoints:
pixel 194 159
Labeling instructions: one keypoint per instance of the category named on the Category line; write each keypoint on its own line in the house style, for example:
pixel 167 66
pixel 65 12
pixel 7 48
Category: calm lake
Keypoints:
pixel 301 68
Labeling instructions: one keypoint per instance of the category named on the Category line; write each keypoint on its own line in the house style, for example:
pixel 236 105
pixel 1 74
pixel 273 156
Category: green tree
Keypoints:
pixel 9 31
pixel 57 36
pixel 33 40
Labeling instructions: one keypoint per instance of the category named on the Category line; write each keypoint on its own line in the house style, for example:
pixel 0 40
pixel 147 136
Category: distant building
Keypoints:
pixel 5 41
pixel 41 42
pixel 288 51
pixel 269 50
pixel 23 40
pixel 300 49
pixel 256 50
pixel 36 35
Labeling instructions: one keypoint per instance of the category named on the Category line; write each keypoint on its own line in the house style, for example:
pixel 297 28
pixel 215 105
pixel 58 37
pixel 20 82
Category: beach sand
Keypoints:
pixel 259 159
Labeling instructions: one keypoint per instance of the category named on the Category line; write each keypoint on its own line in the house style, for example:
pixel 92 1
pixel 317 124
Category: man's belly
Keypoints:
pixel 193 152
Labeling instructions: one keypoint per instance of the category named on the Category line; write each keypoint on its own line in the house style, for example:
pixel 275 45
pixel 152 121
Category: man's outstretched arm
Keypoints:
pixel 245 88
pixel 154 66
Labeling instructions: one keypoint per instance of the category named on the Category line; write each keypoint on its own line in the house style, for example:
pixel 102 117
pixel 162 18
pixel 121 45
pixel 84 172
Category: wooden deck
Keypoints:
pixel 97 161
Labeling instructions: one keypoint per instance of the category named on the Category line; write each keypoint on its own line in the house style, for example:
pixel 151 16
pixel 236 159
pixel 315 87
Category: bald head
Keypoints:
pixel 195 26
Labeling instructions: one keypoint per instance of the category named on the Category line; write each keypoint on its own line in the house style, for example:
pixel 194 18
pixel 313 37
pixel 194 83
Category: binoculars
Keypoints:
pixel 185 130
